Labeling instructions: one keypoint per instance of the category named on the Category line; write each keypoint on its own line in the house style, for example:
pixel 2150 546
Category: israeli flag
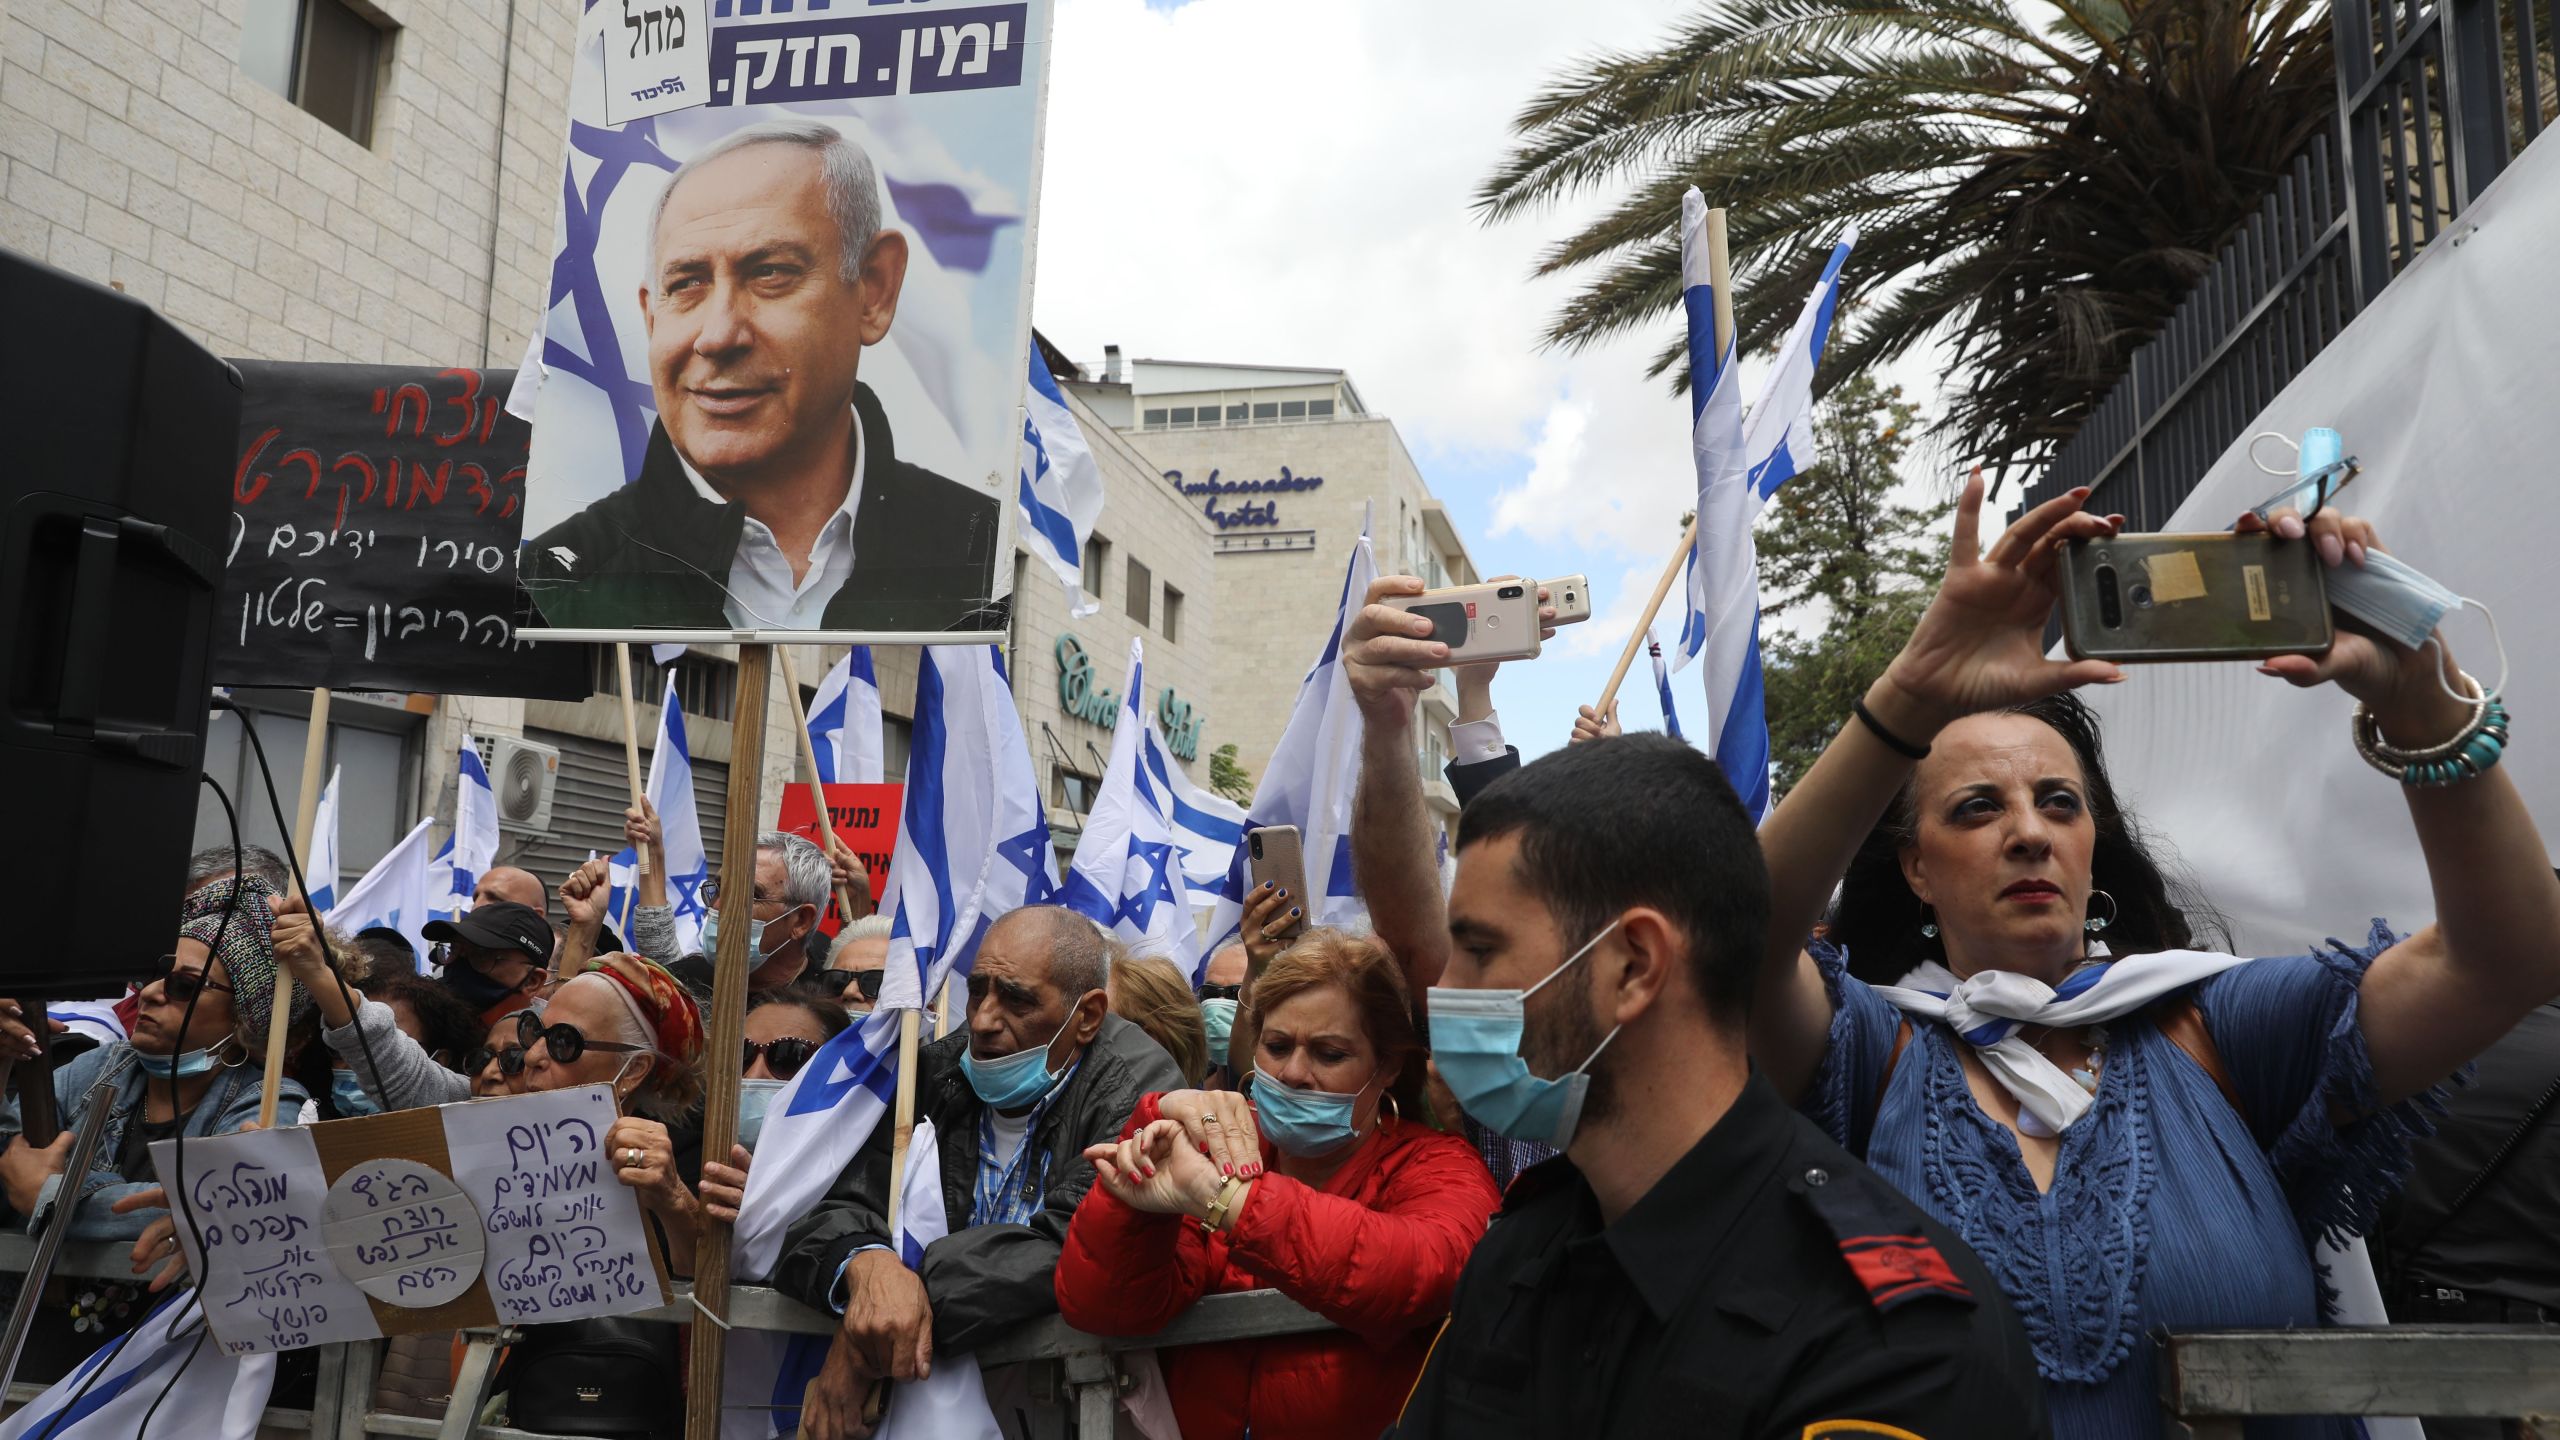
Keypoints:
pixel 472 848
pixel 1061 493
pixel 394 894
pixel 670 792
pixel 1722 625
pixel 1207 827
pixel 320 867
pixel 1662 687
pixel 168 1368
pixel 1128 869
pixel 844 723
pixel 1312 775
pixel 973 838
pixel 1778 443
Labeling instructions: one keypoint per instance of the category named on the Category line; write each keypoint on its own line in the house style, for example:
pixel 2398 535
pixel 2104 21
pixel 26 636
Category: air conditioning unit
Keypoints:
pixel 524 774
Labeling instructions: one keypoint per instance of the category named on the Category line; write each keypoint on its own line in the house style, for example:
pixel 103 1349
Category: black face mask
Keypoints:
pixel 477 990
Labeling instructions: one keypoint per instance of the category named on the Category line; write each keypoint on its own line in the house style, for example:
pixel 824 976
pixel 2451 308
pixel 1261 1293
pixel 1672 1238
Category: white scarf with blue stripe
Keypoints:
pixel 1988 1009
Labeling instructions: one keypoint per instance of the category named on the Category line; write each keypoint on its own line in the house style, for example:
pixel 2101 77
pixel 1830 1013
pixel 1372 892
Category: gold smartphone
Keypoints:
pixel 1497 620
pixel 2217 596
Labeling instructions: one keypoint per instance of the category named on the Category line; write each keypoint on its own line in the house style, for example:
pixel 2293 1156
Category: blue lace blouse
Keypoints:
pixel 2168 1208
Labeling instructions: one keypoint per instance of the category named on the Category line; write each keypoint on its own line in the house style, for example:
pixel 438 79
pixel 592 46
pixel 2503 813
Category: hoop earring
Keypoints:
pixel 2095 923
pixel 1392 1113
pixel 244 1059
pixel 1928 922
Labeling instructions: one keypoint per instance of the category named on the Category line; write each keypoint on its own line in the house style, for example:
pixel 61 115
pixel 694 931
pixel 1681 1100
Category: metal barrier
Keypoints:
pixel 1081 1370
pixel 2210 1379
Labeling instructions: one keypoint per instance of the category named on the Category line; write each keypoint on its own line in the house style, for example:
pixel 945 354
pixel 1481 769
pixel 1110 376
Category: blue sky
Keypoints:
pixel 1290 182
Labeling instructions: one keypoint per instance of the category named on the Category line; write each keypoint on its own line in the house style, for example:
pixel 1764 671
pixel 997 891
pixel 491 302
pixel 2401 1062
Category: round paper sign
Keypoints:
pixel 404 1233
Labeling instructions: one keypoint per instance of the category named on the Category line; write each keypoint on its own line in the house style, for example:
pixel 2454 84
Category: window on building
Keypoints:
pixel 897 741
pixel 1293 409
pixel 374 748
pixel 1172 613
pixel 1072 790
pixel 1236 414
pixel 1182 416
pixel 1153 419
pixel 1319 409
pixel 1142 586
pixel 323 55
pixel 1266 410
pixel 706 685
pixel 1097 553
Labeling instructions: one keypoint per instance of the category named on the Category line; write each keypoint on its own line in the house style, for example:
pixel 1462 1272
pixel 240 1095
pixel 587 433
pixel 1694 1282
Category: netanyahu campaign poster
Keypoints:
pixel 781 372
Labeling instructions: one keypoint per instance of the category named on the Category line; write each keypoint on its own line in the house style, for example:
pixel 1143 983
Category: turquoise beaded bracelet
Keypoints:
pixel 2473 751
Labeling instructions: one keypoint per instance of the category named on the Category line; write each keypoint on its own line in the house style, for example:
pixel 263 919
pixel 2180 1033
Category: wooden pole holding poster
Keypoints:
pixel 315 758
pixel 827 840
pixel 727 1030
pixel 1720 271
pixel 630 743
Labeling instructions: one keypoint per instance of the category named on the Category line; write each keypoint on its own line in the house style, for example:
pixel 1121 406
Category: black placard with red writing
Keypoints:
pixel 375 514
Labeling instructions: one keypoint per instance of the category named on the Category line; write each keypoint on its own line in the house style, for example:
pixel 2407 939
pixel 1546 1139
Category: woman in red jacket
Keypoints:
pixel 1332 1198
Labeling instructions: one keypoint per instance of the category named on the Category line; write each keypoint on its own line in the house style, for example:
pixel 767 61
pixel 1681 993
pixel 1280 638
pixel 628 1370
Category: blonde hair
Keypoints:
pixel 1149 993
pixel 1365 971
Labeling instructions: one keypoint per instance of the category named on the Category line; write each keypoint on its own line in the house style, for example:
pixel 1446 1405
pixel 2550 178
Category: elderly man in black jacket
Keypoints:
pixel 1043 1070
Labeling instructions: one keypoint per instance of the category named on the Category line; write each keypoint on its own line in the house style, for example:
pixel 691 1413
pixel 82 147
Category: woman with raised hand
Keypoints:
pixel 1325 1188
pixel 2014 1015
pixel 626 1022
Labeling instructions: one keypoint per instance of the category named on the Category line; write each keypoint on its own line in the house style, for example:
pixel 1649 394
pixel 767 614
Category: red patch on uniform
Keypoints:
pixel 1896 1268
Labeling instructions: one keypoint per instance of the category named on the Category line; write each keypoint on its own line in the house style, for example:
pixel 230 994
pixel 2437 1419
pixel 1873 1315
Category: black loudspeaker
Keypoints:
pixel 116 441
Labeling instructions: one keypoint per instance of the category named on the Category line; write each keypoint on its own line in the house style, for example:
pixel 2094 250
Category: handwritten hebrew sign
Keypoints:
pixel 416 1221
pixel 267 1281
pixel 657 57
pixel 565 1237
pixel 375 513
pixel 404 1233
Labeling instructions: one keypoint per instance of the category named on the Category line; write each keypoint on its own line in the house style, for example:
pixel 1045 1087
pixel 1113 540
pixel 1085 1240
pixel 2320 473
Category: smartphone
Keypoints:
pixel 1571 597
pixel 1494 621
pixel 2218 596
pixel 1273 859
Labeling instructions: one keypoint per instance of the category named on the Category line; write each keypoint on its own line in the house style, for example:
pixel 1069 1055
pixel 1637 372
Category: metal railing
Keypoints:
pixel 2211 1380
pixel 1081 1370
pixel 2434 98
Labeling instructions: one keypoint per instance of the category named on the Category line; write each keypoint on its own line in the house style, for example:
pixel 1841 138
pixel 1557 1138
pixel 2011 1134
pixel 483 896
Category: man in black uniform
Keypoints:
pixel 1701 1261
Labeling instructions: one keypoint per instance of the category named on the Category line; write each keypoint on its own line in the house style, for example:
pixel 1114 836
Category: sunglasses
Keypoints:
pixel 567 1042
pixel 865 981
pixel 783 1057
pixel 183 986
pixel 510 1060
pixel 1221 992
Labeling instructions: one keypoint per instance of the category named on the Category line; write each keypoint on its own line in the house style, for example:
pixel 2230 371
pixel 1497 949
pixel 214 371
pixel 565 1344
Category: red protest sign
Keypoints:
pixel 865 818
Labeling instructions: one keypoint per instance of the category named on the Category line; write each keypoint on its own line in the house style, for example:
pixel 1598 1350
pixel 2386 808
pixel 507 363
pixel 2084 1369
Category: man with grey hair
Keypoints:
pixel 1042 1071
pixel 771 496
pixel 791 880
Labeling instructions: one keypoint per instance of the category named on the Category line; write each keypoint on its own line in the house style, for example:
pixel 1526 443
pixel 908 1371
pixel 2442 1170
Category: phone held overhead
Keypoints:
pixel 1497 620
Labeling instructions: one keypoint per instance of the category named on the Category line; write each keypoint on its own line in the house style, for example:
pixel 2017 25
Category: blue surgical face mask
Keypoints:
pixel 347 1093
pixel 163 1067
pixel 711 935
pixel 1015 1081
pixel 1218 1017
pixel 1475 1040
pixel 1304 1123
pixel 2404 605
pixel 755 1097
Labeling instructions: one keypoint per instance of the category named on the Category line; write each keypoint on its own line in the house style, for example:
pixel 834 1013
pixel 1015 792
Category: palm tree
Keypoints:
pixel 2039 183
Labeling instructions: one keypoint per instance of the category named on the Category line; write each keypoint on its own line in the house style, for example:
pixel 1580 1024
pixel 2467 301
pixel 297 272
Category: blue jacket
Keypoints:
pixel 229 1105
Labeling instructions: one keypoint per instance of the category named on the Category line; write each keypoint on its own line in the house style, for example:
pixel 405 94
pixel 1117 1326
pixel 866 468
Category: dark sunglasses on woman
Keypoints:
pixel 864 982
pixel 567 1042
pixel 1221 992
pixel 783 1057
pixel 510 1060
pixel 182 986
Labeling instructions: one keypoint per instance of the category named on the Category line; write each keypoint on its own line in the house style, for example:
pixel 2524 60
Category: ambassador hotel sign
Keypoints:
pixel 1223 502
